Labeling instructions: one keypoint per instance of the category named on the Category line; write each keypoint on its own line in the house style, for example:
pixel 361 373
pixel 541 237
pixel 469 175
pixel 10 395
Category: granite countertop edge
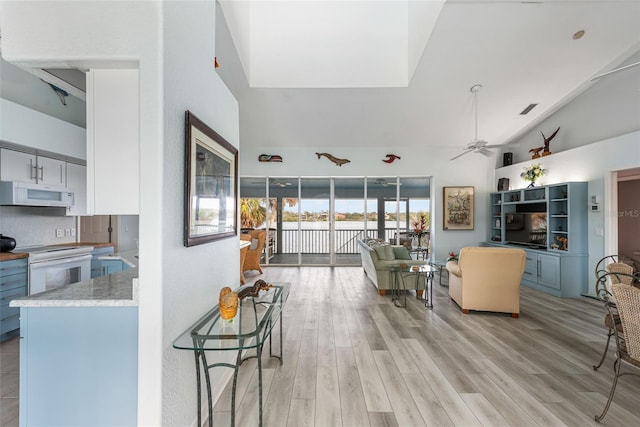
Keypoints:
pixel 115 290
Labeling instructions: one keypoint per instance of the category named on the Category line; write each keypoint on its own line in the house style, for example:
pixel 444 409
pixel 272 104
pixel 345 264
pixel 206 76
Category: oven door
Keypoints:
pixel 46 275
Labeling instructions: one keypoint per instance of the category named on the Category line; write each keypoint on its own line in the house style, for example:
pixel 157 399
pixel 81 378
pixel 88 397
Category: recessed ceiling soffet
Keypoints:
pixel 330 44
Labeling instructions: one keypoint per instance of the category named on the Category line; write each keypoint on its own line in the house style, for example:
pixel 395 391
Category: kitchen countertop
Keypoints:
pixel 115 290
pixel 9 256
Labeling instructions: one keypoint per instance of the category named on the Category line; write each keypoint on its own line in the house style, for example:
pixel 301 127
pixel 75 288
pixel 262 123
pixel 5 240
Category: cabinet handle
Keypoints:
pixel 17 267
pixel 33 168
pixel 41 169
pixel 61 177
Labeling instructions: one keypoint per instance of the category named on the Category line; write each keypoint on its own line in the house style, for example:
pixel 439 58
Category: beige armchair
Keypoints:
pixel 487 279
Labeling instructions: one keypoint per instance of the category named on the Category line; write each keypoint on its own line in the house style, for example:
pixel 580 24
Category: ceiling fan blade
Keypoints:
pixel 460 155
pixel 486 152
pixel 510 144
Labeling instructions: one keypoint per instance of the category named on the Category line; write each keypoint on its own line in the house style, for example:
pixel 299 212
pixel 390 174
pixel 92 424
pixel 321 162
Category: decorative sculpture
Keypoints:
pixel 269 158
pixel 547 141
pixel 536 152
pixel 334 159
pixel 253 290
pixel 391 158
pixel 564 242
pixel 228 303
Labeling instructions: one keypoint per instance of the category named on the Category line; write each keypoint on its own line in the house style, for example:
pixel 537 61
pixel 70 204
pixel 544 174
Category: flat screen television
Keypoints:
pixel 527 229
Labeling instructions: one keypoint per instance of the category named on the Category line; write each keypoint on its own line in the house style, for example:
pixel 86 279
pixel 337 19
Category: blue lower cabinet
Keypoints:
pixel 113 266
pixel 79 366
pixel 13 285
pixel 96 264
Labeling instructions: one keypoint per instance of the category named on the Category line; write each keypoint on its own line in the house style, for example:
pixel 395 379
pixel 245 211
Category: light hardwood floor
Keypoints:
pixel 351 358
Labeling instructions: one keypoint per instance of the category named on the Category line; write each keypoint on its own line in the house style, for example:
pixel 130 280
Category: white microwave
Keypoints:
pixel 16 193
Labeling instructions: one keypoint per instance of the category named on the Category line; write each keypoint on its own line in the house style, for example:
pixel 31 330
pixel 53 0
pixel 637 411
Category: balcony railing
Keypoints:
pixel 317 241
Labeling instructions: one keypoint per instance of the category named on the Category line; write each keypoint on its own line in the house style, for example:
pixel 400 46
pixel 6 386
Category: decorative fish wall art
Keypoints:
pixel 269 158
pixel 391 158
pixel 334 159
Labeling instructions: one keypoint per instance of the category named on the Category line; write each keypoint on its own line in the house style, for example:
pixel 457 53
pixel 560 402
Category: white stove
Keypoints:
pixel 53 266
pixel 46 253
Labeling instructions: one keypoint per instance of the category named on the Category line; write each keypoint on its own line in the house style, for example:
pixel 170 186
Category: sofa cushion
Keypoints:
pixel 400 252
pixel 384 252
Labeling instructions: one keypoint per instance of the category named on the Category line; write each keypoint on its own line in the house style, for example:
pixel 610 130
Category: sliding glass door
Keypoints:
pixel 317 221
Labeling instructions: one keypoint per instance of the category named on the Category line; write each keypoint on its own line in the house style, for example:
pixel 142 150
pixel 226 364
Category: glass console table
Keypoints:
pixel 249 329
pixel 399 273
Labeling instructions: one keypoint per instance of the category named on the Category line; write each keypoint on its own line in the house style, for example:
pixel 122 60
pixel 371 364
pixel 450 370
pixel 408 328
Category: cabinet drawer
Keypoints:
pixel 9 324
pixel 6 312
pixel 7 296
pixel 13 281
pixel 13 267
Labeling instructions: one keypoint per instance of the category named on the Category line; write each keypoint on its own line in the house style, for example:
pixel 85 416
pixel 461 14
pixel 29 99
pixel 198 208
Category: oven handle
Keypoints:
pixel 52 263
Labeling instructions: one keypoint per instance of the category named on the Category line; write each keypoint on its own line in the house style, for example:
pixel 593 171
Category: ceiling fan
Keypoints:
pixel 385 183
pixel 477 145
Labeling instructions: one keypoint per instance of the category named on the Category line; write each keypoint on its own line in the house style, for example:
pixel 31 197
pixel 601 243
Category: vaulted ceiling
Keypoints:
pixel 381 73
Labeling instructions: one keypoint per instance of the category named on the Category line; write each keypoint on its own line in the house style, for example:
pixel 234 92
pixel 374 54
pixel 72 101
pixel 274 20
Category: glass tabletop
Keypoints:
pixel 426 268
pixel 249 328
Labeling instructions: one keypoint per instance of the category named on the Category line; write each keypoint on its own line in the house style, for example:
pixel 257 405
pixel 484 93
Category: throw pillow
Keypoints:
pixel 400 252
pixel 254 244
pixel 385 252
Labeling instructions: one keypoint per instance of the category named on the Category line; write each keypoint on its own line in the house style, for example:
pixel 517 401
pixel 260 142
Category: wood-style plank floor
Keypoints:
pixel 351 358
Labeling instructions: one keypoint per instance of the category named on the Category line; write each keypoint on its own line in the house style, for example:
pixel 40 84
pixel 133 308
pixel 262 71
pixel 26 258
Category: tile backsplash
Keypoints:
pixel 32 226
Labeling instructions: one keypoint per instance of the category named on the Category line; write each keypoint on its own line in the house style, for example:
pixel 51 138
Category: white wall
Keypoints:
pixel 609 108
pixel 193 276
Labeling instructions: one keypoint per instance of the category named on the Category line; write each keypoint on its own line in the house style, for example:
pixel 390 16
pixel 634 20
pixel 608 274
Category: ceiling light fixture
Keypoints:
pixel 578 35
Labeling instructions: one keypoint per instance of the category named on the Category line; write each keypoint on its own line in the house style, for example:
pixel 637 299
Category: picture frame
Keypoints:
pixel 458 208
pixel 210 184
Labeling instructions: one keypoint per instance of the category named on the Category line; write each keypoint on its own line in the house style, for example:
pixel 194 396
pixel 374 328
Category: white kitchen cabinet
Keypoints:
pixel 25 167
pixel 77 182
pixel 17 166
pixel 113 141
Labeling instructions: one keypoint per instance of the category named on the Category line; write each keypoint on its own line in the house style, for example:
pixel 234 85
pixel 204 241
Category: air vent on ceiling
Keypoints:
pixel 529 108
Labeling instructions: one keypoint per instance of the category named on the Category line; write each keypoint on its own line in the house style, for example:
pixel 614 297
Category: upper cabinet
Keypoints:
pixel 77 182
pixel 113 142
pixel 25 167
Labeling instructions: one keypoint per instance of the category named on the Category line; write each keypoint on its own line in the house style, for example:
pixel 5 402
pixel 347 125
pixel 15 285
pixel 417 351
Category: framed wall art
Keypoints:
pixel 458 204
pixel 211 184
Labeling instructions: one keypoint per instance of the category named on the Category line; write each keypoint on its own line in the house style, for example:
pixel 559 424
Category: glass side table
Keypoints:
pixel 249 329
pixel 398 279
pixel 441 265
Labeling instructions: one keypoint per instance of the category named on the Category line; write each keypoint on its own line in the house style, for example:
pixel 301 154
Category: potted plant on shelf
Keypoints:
pixel 532 173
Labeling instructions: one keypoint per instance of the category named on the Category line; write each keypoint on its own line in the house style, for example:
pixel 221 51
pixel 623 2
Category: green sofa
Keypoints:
pixel 378 256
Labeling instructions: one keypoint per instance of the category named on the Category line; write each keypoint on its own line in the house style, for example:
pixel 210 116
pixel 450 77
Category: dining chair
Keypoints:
pixel 627 307
pixel 609 270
